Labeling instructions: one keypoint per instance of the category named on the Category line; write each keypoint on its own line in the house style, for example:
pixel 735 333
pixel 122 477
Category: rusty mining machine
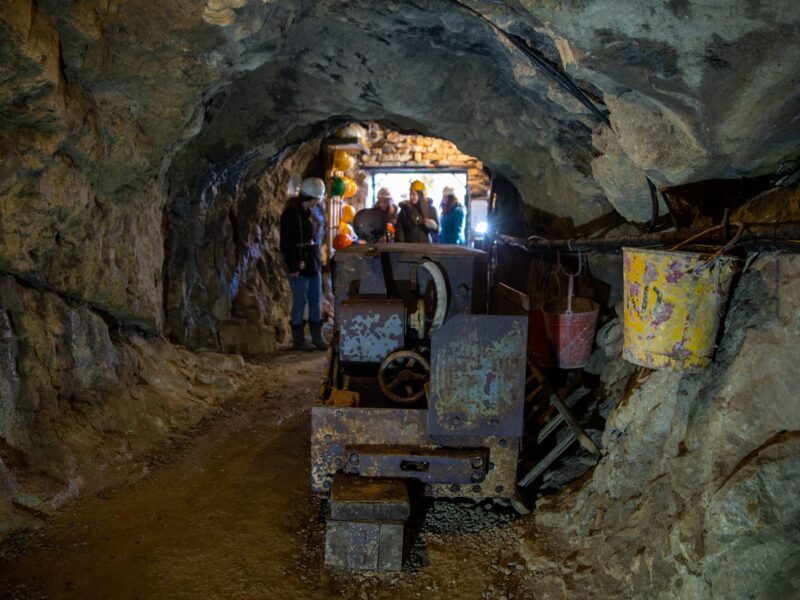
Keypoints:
pixel 424 390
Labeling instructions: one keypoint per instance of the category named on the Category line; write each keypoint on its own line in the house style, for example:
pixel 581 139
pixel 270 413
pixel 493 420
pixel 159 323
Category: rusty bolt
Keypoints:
pixel 353 458
pixel 490 466
pixel 339 414
pixel 455 487
pixel 503 443
pixel 494 422
pixel 353 471
pixel 476 489
pixel 477 462
pixel 498 489
pixel 454 421
pixel 338 461
pixel 477 476
pixel 326 484
pixel 328 437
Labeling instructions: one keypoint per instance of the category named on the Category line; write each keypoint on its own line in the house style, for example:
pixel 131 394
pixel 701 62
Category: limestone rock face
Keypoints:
pixel 60 226
pixel 77 401
pixel 225 271
pixel 692 493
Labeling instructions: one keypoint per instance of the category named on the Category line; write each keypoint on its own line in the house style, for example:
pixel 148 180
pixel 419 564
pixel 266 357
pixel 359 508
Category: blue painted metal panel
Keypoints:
pixel 478 376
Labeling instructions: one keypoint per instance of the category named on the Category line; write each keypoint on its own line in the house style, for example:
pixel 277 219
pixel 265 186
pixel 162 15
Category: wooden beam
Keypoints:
pixel 781 235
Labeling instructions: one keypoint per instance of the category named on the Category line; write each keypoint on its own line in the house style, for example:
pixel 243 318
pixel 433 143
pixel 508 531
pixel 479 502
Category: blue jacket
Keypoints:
pixel 451 229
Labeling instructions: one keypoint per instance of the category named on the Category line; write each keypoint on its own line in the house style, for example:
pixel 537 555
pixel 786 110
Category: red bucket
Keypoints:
pixel 570 330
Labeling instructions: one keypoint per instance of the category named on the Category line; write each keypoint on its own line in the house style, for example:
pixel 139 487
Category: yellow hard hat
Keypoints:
pixel 346 228
pixel 348 213
pixel 342 161
pixel 352 188
pixel 417 186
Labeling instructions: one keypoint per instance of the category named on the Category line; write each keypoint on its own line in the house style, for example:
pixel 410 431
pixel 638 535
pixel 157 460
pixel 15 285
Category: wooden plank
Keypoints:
pixel 354 498
pixel 545 463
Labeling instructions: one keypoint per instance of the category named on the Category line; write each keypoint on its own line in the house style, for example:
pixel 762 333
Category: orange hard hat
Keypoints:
pixel 342 241
pixel 417 186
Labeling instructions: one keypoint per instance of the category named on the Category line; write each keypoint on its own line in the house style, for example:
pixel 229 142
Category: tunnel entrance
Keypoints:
pixel 147 150
pixel 237 300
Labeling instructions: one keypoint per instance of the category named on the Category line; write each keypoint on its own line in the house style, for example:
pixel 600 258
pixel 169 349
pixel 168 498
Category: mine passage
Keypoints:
pixel 453 299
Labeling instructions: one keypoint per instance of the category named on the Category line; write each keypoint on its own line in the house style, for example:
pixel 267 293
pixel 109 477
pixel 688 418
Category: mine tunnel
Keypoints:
pixel 443 299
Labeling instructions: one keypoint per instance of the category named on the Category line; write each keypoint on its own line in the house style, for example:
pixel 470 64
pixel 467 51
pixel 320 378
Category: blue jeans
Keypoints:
pixel 306 289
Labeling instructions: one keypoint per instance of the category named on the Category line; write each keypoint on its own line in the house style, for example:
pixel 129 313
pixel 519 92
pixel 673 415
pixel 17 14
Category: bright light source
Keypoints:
pixel 482 227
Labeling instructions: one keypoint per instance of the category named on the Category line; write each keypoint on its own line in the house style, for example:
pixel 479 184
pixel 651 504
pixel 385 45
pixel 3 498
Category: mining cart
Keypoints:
pixel 424 391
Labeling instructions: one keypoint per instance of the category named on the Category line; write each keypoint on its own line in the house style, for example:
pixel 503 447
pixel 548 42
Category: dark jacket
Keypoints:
pixel 452 226
pixel 297 239
pixel 411 224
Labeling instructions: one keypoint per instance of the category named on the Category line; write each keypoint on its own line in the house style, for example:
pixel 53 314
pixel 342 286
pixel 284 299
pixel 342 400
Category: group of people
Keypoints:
pixel 417 221
pixel 302 230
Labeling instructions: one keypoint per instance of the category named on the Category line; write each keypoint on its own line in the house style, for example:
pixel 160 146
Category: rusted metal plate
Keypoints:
pixel 371 329
pixel 478 376
pixel 429 465
pixel 501 474
pixel 333 428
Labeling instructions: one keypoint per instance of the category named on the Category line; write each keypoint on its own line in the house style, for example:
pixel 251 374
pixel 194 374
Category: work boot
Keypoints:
pixel 299 341
pixel 316 335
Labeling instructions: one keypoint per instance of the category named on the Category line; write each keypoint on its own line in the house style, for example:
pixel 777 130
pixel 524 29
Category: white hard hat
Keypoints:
pixel 448 191
pixel 384 193
pixel 313 187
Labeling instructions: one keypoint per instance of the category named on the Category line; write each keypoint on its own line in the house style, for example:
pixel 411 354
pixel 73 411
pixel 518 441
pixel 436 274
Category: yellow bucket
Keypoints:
pixel 673 305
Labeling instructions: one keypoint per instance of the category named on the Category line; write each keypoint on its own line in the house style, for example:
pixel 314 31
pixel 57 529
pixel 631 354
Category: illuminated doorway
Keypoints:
pixel 398 181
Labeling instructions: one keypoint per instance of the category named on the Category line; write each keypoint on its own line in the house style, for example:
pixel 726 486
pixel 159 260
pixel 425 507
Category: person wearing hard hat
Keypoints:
pixel 417 221
pixel 387 205
pixel 301 252
pixel 452 218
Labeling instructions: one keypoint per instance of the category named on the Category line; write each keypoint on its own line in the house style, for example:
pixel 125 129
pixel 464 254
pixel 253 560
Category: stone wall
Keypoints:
pixel 390 148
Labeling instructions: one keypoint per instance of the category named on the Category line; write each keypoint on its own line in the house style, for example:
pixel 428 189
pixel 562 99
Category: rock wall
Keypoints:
pixel 227 288
pixel 112 113
pixel 70 219
pixel 695 495
pixel 78 401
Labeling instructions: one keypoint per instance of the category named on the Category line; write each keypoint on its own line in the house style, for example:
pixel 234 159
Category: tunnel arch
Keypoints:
pixel 463 87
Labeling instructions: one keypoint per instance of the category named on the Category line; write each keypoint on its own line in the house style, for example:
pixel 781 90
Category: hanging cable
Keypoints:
pixel 550 69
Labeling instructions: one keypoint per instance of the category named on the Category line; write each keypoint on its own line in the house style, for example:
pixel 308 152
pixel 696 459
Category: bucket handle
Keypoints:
pixel 571 276
pixel 719 252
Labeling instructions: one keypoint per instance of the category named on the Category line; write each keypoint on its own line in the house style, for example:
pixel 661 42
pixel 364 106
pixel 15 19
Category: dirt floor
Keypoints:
pixel 227 513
